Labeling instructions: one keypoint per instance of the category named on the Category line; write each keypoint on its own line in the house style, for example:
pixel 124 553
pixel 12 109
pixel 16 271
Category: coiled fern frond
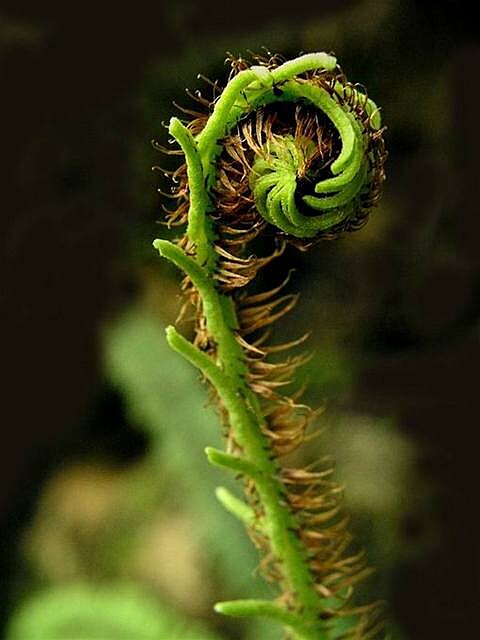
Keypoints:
pixel 292 152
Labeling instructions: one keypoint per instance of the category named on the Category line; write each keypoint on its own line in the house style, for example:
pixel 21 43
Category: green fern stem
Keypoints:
pixel 246 422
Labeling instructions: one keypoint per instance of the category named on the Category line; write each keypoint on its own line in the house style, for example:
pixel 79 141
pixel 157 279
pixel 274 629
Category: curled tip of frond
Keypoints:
pixel 306 157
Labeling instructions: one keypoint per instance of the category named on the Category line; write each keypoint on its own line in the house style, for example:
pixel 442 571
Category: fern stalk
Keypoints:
pixel 294 151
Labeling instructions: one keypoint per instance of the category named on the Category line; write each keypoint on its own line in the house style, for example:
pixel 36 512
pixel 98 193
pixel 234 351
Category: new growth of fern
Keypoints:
pixel 289 153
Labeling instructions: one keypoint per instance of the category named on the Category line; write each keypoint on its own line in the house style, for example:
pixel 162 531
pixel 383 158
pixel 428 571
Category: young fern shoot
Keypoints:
pixel 291 151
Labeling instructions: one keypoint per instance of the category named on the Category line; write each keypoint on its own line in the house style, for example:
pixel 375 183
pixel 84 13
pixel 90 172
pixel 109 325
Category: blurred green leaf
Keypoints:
pixel 164 396
pixel 84 612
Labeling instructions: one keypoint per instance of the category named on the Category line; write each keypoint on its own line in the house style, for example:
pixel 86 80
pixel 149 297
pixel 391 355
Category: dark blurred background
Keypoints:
pixel 394 309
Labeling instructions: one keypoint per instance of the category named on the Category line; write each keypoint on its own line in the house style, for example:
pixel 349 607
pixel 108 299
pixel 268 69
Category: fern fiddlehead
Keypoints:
pixel 292 151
